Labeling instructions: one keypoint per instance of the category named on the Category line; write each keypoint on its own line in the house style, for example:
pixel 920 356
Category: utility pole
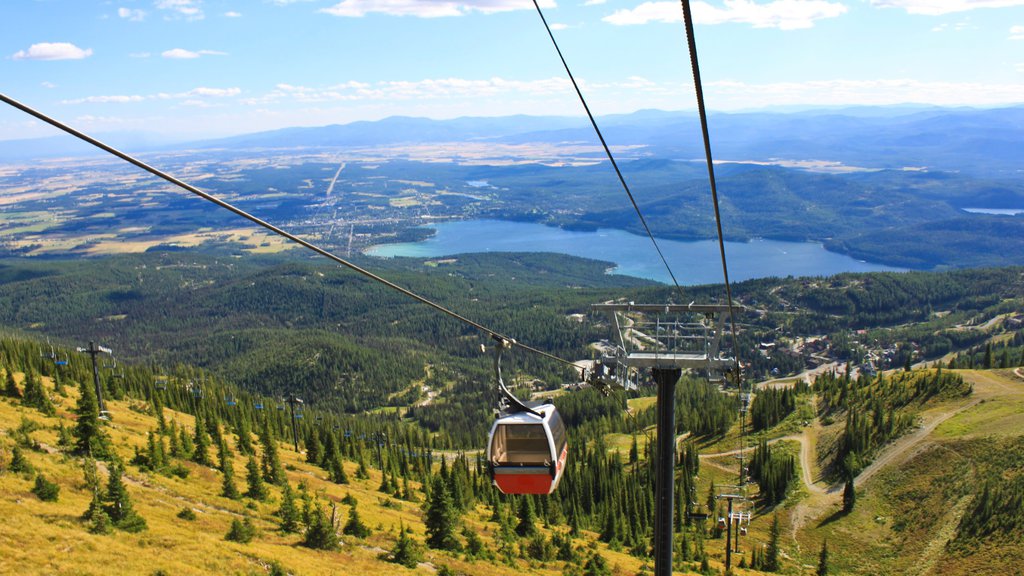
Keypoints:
pixel 94 350
pixel 292 401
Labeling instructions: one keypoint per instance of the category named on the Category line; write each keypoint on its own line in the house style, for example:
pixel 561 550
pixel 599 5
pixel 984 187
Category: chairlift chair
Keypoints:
pixel 230 400
pixel 257 405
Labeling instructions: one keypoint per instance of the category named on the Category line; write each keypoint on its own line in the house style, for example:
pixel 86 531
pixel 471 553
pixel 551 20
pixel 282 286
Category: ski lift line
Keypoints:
pixel 705 133
pixel 280 232
pixel 607 150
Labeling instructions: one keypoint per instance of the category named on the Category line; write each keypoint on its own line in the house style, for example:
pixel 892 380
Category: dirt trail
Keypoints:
pixel 986 385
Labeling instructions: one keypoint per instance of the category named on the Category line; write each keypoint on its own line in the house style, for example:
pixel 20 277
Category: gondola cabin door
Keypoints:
pixel 526 453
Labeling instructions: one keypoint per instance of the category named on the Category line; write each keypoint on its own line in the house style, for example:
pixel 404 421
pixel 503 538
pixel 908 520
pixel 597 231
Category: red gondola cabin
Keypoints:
pixel 526 452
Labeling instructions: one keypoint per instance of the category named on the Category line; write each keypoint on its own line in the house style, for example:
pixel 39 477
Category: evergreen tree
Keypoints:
pixel 336 469
pixel 355 526
pixel 19 463
pixel 201 443
pixel 224 454
pixel 321 533
pixel 228 487
pixel 823 559
pixel 241 531
pixel 407 551
pixel 119 504
pixel 288 513
pixel 89 437
pixel 771 560
pixel 849 495
pixel 97 517
pixel 526 526
pixel 36 396
pixel 186 442
pixel 257 489
pixel 46 491
pixel 597 566
pixel 314 448
pixel 442 520
pixel 10 386
pixel 245 438
pixel 273 471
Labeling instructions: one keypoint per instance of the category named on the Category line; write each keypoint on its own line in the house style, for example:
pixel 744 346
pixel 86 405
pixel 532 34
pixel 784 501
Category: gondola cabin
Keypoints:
pixel 526 453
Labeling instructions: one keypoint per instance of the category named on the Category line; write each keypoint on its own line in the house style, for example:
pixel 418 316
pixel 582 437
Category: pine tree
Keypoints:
pixel 19 463
pixel 97 517
pixel 526 526
pixel 771 560
pixel 321 533
pixel 407 551
pixel 273 471
pixel 241 531
pixel 336 469
pixel 314 448
pixel 36 396
pixel 597 566
pixel 10 386
pixel 823 559
pixel 89 437
pixel 228 487
pixel 442 520
pixel 46 491
pixel 849 495
pixel 245 438
pixel 355 526
pixel 288 513
pixel 201 443
pixel 224 453
pixel 257 489
pixel 119 504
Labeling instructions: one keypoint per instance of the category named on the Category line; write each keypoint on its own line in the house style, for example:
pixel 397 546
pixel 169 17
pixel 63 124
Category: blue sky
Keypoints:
pixel 197 68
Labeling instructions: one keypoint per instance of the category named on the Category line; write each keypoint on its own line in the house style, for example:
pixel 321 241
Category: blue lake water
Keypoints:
pixel 692 262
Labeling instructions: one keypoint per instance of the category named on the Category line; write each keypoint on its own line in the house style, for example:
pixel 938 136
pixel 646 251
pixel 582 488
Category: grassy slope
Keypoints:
pixel 907 512
pixel 46 538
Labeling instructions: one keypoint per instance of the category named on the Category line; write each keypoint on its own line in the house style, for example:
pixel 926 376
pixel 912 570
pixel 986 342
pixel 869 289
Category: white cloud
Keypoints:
pixel 781 14
pixel 187 9
pixel 428 8
pixel 557 26
pixel 233 14
pixel 116 99
pixel 594 2
pixel 195 94
pixel 135 15
pixel 139 55
pixel 48 85
pixel 1017 33
pixel 939 7
pixel 428 89
pixel 52 51
pixel 182 54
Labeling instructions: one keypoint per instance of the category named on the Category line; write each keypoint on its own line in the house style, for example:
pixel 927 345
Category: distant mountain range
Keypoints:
pixel 987 142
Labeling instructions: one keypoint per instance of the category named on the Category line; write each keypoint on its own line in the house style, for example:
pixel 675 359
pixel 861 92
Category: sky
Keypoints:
pixel 188 69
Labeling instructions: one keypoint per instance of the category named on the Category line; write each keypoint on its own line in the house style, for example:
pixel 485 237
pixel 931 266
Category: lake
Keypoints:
pixel 692 262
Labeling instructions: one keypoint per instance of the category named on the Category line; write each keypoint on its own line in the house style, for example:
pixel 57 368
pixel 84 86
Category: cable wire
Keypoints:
pixel 608 150
pixel 695 66
pixel 274 229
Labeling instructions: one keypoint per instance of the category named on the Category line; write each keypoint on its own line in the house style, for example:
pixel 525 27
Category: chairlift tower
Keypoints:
pixel 665 338
pixel 292 401
pixel 93 350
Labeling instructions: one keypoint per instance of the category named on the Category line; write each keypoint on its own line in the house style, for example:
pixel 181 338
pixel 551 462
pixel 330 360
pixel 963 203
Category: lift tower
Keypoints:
pixel 665 338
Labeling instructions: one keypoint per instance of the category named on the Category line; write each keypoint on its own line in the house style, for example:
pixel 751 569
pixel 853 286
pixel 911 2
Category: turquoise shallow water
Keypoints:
pixel 692 262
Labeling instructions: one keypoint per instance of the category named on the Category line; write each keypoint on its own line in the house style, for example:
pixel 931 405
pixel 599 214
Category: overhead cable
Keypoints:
pixel 607 150
pixel 274 229
pixel 692 43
